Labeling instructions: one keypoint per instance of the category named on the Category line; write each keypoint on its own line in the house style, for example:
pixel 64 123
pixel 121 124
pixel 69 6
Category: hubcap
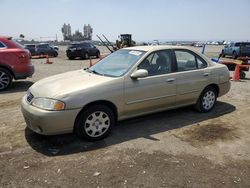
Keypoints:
pixel 4 80
pixel 97 124
pixel 208 100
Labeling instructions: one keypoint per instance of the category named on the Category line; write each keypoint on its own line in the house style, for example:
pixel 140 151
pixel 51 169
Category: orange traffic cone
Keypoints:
pixel 236 76
pixel 47 60
pixel 90 62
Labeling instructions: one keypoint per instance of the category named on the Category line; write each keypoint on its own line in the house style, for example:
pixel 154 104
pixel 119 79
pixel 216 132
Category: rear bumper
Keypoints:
pixel 26 72
pixel 224 88
pixel 75 53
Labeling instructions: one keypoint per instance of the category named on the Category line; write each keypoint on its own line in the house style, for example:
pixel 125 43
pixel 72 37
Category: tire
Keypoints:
pixel 5 79
pixel 234 55
pixel 55 54
pixel 71 58
pixel 98 55
pixel 207 99
pixel 94 123
pixel 86 55
pixel 242 75
pixel 222 54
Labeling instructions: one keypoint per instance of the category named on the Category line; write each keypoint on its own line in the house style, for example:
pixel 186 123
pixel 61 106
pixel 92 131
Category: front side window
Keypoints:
pixel 157 63
pixel 117 63
pixel 188 61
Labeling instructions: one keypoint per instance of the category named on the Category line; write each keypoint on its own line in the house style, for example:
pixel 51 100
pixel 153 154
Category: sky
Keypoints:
pixel 146 20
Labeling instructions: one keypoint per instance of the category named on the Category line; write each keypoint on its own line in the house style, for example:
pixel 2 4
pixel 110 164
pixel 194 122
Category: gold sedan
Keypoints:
pixel 128 83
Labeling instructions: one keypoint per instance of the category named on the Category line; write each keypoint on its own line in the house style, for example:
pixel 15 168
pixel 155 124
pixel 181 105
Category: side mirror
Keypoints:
pixel 141 73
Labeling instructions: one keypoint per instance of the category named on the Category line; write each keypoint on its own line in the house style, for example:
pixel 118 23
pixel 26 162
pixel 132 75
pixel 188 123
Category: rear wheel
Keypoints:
pixel 98 55
pixel 234 55
pixel 86 55
pixel 242 75
pixel 95 123
pixel 55 54
pixel 71 58
pixel 207 99
pixel 5 79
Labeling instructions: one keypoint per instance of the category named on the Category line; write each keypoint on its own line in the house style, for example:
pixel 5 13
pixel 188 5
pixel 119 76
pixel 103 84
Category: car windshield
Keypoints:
pixel 117 63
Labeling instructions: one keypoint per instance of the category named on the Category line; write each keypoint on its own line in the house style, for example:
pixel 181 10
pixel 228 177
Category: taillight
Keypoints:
pixel 22 55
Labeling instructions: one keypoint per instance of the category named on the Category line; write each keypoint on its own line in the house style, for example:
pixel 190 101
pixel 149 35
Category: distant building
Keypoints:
pixel 77 36
pixel 66 30
pixel 87 32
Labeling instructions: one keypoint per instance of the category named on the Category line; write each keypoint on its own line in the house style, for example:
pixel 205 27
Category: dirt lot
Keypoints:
pixel 178 148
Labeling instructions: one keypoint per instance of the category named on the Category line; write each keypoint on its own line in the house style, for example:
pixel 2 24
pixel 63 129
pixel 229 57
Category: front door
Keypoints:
pixel 156 91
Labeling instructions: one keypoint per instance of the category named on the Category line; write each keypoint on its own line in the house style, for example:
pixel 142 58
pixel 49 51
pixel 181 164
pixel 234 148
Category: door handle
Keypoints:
pixel 170 80
pixel 206 74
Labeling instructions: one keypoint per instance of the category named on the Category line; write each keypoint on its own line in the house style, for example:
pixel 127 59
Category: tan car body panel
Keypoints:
pixel 132 97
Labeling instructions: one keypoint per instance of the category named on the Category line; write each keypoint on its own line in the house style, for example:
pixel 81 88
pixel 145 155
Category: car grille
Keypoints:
pixel 29 97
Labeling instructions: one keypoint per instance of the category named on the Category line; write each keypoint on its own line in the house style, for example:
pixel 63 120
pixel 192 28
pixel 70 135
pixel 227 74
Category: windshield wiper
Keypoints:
pixel 93 71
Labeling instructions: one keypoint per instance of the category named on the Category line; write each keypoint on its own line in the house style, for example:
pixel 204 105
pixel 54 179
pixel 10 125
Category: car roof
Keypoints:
pixel 5 37
pixel 155 48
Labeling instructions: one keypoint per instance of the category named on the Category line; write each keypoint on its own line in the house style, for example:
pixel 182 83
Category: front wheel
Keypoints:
pixel 5 79
pixel 207 99
pixel 222 54
pixel 95 123
pixel 86 55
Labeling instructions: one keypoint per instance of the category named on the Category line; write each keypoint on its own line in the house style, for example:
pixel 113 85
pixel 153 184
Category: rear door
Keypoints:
pixel 193 75
pixel 154 92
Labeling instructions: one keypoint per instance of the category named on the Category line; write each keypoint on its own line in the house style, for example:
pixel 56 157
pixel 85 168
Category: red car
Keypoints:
pixel 14 62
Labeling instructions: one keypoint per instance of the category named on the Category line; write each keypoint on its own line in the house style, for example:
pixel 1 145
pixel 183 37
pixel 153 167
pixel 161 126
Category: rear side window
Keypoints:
pixel 2 45
pixel 188 61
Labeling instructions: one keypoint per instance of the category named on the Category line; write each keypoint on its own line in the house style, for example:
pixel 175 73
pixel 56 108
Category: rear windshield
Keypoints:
pixel 74 45
pixel 17 43
pixel 243 44
pixel 30 45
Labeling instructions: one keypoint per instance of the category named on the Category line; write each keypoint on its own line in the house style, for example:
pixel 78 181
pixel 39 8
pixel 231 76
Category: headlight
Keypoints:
pixel 48 104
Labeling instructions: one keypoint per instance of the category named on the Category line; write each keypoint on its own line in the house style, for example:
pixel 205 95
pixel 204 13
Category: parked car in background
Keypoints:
pixel 83 50
pixel 31 48
pixel 236 49
pixel 14 62
pixel 42 49
pixel 128 83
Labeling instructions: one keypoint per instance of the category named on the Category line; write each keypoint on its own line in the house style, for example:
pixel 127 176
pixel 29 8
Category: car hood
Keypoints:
pixel 66 83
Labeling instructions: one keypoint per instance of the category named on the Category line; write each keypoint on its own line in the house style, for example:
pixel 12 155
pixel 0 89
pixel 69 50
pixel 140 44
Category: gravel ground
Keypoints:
pixel 177 148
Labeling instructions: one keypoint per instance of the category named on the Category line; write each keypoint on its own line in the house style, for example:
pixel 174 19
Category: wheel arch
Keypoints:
pixel 8 69
pixel 109 104
pixel 215 86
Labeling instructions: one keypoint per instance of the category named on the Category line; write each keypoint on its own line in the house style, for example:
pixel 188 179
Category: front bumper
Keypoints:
pixel 48 122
